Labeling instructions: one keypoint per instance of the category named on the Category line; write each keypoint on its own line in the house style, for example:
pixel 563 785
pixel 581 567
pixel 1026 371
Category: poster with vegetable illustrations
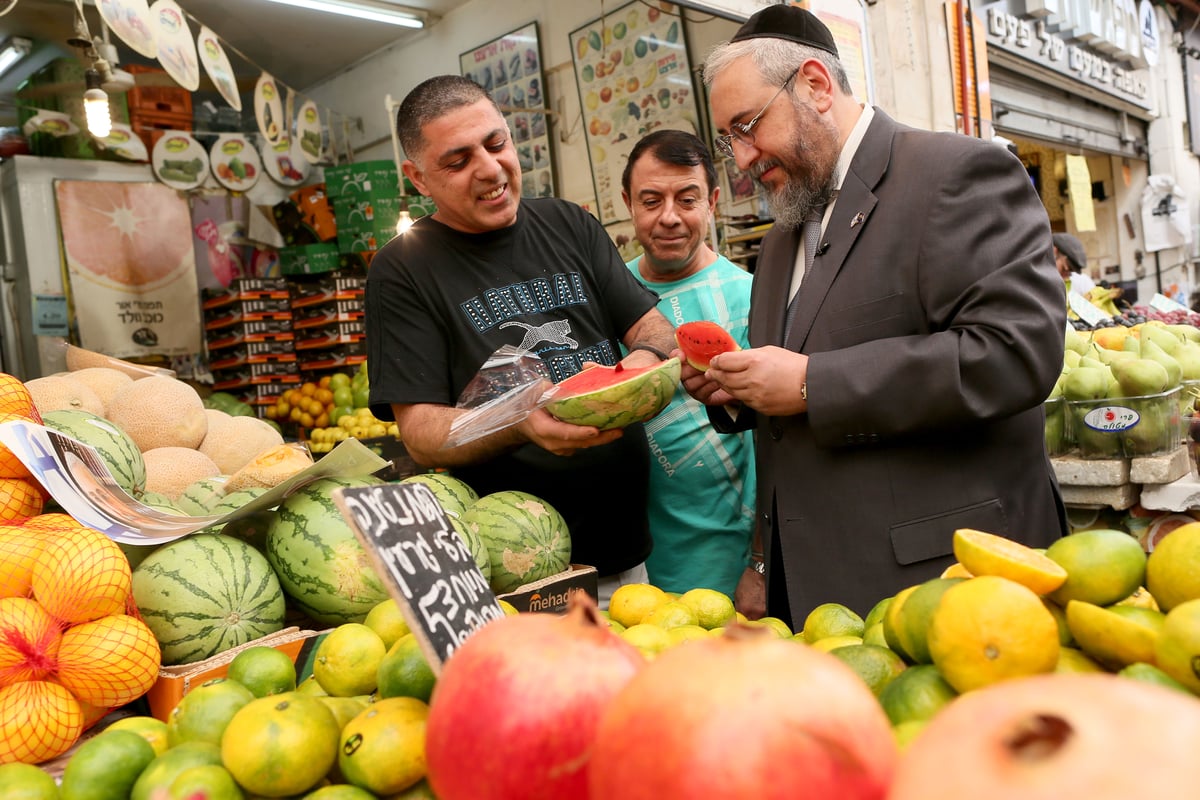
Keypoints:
pixel 510 69
pixel 632 70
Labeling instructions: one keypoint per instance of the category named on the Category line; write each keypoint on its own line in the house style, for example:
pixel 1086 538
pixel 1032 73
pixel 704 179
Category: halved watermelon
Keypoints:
pixel 702 340
pixel 614 397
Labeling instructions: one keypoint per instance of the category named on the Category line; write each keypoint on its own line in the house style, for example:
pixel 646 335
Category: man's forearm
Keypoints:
pixel 425 427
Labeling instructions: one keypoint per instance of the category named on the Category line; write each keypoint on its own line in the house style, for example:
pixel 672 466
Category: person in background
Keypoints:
pixel 489 269
pixel 701 499
pixel 1071 260
pixel 906 325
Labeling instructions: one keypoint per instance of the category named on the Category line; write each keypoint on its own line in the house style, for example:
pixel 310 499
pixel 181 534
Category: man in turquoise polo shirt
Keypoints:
pixel 701 498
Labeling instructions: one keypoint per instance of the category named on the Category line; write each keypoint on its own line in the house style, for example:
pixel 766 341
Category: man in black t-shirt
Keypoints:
pixel 488 269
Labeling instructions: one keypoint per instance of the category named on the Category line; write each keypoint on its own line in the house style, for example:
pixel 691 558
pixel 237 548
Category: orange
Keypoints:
pixel 29 640
pixel 1115 636
pixel 81 575
pixel 1171 572
pixel 110 661
pixel 1177 650
pixel 388 621
pixel 650 639
pixel 631 602
pixel 383 748
pixel 982 553
pixel 280 745
pixel 347 660
pixel 20 498
pixel 1072 660
pixel 39 720
pixel 15 398
pixel 202 714
pixel 19 548
pixel 1103 566
pixel 10 465
pixel 988 629
pixel 894 632
pixel 915 614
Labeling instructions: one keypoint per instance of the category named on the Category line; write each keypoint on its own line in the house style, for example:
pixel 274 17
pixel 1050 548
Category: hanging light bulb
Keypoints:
pixel 405 222
pixel 95 106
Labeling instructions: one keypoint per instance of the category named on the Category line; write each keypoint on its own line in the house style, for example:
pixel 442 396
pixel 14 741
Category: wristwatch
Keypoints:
pixel 804 391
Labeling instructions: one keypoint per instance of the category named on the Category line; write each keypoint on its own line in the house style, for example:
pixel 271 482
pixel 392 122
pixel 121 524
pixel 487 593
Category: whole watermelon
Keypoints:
pixel 527 539
pixel 116 448
pixel 454 495
pixel 320 563
pixel 204 594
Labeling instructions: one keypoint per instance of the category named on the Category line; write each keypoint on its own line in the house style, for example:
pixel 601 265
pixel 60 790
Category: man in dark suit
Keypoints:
pixel 899 397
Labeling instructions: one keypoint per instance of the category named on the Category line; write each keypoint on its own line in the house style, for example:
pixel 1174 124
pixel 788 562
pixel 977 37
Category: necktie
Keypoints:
pixel 811 233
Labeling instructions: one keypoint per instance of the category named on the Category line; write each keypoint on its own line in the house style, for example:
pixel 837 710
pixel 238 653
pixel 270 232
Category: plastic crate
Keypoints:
pixel 151 127
pixel 1125 427
pixel 1058 439
pixel 165 99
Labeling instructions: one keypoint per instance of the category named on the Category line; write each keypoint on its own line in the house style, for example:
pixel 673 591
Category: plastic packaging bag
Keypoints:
pixel 511 385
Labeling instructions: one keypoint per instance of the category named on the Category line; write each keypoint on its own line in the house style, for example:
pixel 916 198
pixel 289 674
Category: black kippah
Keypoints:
pixel 787 22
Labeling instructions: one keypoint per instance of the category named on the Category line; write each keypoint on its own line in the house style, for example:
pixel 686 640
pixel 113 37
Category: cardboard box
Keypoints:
pixel 550 594
pixel 363 179
pixel 174 682
pixel 308 259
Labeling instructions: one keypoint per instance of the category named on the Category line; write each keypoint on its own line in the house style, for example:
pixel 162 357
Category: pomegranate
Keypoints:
pixel 515 710
pixel 1086 735
pixel 743 715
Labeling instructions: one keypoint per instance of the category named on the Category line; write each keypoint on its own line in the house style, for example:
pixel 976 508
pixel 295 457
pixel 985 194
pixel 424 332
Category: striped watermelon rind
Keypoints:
pixel 474 542
pixel 608 398
pixel 117 448
pixel 204 594
pixel 320 563
pixel 454 495
pixel 201 495
pixel 527 539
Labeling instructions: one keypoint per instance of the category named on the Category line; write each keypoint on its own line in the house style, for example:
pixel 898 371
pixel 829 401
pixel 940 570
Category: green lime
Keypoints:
pixel 26 782
pixel 156 779
pixel 875 615
pixel 263 670
pixel 877 666
pixel 832 619
pixel 105 767
pixel 404 672
pixel 203 713
pixel 917 693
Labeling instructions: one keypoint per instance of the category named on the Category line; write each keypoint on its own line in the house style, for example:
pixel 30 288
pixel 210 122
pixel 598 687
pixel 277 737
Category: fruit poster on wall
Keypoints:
pixel 510 69
pixel 632 70
pixel 131 268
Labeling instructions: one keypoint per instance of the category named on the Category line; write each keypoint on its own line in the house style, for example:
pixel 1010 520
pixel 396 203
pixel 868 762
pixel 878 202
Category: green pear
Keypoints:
pixel 1056 428
pixel 1132 344
pixel 1157 429
pixel 1094 363
pixel 1086 383
pixel 1152 350
pixel 1141 376
pixel 1185 332
pixel 1075 341
pixel 1057 391
pixel 1110 357
pixel 1188 356
pixel 1161 336
pixel 1070 359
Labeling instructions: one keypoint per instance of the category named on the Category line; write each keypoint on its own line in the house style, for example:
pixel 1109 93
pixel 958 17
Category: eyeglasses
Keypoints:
pixel 744 132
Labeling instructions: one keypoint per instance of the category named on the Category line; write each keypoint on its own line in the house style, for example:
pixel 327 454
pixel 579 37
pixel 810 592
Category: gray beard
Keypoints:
pixel 791 204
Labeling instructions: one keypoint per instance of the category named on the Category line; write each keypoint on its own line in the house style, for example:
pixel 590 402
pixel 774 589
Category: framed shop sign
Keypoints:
pixel 633 75
pixel 510 69
pixel 423 562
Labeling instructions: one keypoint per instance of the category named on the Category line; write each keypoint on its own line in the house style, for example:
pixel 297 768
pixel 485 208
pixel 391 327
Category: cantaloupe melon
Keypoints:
pixel 232 442
pixel 160 412
pixel 170 470
pixel 105 382
pixel 59 392
pixel 270 468
pixel 79 358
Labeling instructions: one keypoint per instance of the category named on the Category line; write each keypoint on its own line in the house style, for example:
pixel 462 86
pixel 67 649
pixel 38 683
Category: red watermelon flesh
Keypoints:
pixel 614 397
pixel 702 340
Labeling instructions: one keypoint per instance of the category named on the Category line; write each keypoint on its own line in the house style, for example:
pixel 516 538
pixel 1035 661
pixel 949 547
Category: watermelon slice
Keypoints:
pixel 615 397
pixel 702 340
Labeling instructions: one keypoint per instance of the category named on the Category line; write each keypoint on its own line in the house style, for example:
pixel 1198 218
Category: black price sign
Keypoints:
pixel 424 562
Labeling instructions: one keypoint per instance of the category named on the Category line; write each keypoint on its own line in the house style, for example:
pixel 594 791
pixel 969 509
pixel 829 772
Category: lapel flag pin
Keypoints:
pixel 858 218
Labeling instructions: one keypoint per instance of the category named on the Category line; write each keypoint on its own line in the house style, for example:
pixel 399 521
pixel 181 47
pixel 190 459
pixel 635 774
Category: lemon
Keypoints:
pixel 1149 673
pixel 152 729
pixel 1060 619
pixel 631 602
pixel 26 782
pixel 1103 566
pixel 832 619
pixel 347 660
pixel 671 615
pixel 345 709
pixel 685 633
pixel 280 745
pixel 776 624
pixel 915 694
pixel 875 615
pixel 404 672
pixel 263 670
pixel 1171 573
pixel 311 687
pixel 383 748
pixel 830 643
pixel 339 791
pixel 1177 650
pixel 209 782
pixel 713 609
pixel 1141 597
pixel 1115 636
pixel 874 635
pixel 203 713
pixel 987 629
pixel 877 666
pixel 894 632
pixel 650 639
pixel 956 570
pixel 106 767
pixel 508 608
pixel 915 614
pixel 982 553
pixel 905 732
pixel 1073 660
pixel 387 621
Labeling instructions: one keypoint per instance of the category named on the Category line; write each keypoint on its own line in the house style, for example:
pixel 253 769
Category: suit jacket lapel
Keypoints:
pixel 850 217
